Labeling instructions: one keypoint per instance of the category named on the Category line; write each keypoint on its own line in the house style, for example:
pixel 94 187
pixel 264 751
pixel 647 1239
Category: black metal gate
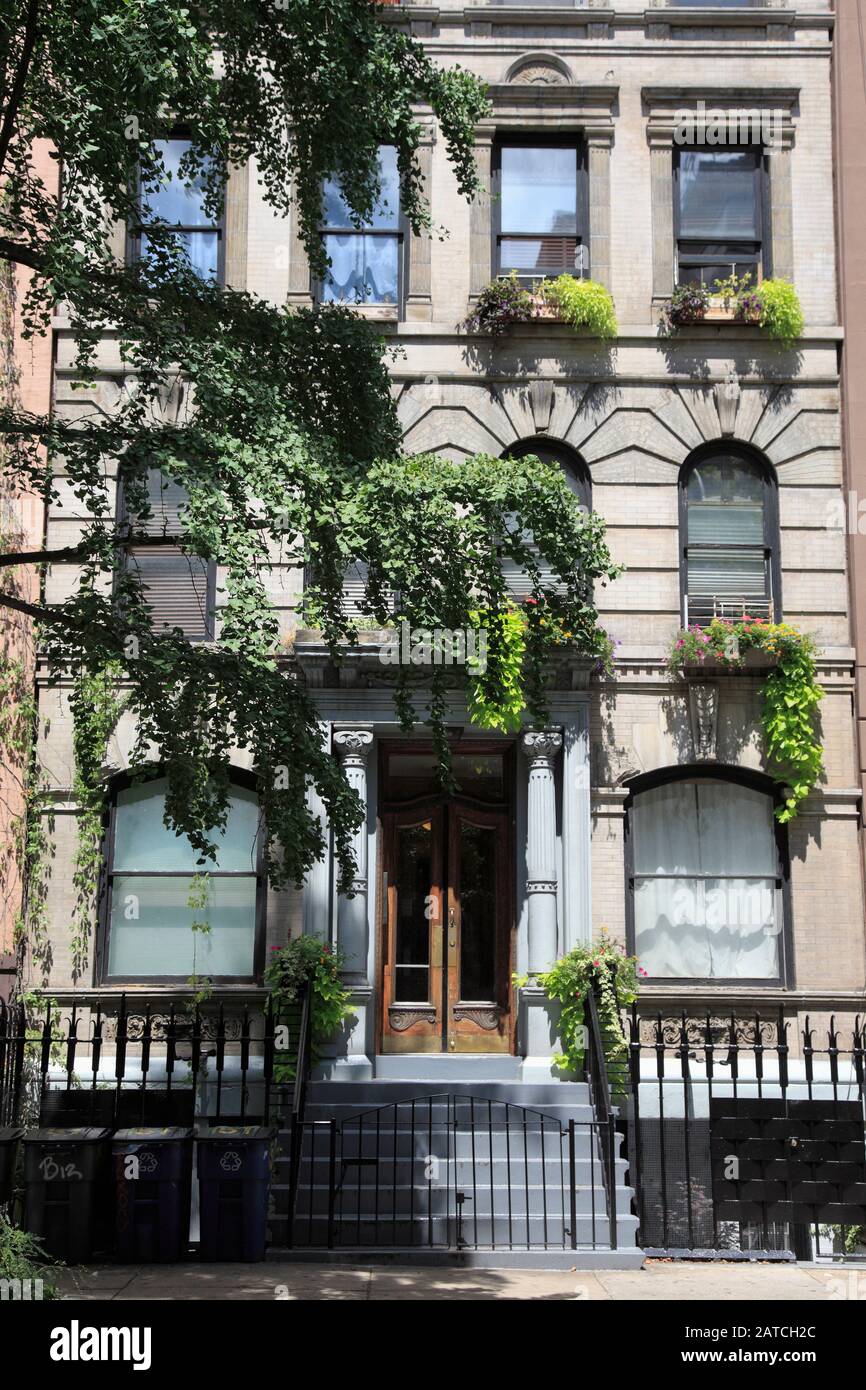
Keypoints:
pixel 741 1144
pixel 452 1172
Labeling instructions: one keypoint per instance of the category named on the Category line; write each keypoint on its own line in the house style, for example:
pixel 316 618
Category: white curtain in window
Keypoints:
pixel 705 882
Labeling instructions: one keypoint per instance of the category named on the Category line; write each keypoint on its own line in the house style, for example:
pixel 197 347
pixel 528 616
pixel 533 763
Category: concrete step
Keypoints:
pixel 624 1257
pixel 403 1199
pixel 424 1231
pixel 585 1169
pixel 364 1094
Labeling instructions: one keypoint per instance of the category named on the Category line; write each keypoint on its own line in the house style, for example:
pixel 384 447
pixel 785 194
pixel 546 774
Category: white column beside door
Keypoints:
pixel 538 1020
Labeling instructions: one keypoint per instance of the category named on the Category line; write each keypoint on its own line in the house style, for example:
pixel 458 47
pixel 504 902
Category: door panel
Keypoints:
pixel 446 937
pixel 478 937
pixel 412 938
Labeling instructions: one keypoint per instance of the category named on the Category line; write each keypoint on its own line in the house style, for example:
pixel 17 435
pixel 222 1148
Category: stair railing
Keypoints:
pixel 595 1073
pixel 299 1101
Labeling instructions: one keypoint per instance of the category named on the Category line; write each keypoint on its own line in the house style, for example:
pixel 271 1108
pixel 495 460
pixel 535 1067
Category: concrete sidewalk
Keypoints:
pixel 658 1280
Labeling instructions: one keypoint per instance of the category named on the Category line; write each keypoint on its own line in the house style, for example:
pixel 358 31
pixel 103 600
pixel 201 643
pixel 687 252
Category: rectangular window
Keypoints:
pixel 364 260
pixel 181 206
pixel 719 214
pixel 149 917
pixel 538 199
pixel 179 588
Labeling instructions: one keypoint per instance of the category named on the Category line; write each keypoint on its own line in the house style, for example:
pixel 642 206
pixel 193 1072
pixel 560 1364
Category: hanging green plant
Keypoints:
pixel 583 304
pixel 96 707
pixel 503 302
pixel 306 959
pixel 614 976
pixel 775 305
pixel 790 694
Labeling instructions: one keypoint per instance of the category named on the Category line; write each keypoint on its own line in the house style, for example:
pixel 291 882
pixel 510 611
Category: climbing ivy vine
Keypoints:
pixel 96 707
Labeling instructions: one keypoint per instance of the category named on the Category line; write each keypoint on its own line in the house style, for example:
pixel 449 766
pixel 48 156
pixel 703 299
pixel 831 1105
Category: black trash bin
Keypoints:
pixel 8 1153
pixel 234 1173
pixel 65 1175
pixel 152 1178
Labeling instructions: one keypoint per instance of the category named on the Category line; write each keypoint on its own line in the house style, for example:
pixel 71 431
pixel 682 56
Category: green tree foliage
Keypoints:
pixel 280 425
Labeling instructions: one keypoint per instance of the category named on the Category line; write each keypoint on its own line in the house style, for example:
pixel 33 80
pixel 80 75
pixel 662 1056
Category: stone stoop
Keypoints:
pixel 511 1177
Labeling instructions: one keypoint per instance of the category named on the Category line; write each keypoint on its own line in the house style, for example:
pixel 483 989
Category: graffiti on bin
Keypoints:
pixel 58 1172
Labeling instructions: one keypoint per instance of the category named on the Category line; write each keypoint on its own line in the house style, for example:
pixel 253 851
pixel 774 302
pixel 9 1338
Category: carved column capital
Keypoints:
pixel 541 746
pixel 353 745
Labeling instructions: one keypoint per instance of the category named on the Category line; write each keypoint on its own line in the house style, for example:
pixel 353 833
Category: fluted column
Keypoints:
pixel 541 750
pixel 352 747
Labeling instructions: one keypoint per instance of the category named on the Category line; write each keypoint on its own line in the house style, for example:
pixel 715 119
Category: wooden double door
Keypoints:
pixel 446 943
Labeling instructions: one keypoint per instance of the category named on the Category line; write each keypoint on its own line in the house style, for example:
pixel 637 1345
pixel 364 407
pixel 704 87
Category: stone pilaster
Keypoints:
pixel 419 301
pixel 479 219
pixel 599 147
pixel 781 210
pixel 300 290
pixel 662 194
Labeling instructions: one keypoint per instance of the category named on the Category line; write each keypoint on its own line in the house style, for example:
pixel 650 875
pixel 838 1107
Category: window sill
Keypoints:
pixel 379 313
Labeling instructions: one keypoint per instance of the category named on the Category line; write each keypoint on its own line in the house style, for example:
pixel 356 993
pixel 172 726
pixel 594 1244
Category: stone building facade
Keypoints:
pixel 562 829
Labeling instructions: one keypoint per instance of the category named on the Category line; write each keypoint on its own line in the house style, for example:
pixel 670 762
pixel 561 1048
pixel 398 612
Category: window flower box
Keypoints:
pixel 753 662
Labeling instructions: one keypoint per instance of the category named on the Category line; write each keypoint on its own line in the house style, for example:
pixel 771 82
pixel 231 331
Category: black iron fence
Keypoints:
pixel 452 1172
pixel 740 1143
pixel 145 1066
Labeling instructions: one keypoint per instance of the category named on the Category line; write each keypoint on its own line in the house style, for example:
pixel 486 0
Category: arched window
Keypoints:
pixel 576 475
pixel 554 451
pixel 729 530
pixel 706 869
pixel 147 917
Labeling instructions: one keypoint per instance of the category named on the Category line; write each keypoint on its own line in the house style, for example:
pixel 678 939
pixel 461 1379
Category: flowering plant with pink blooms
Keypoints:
pixel 615 976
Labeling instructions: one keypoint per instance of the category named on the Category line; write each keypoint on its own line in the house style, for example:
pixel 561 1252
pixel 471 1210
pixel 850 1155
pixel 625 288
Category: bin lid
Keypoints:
pixel 84 1135
pixel 9 1134
pixel 218 1133
pixel 152 1134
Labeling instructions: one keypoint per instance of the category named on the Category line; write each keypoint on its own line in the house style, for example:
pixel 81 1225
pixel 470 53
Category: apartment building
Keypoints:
pixel 643 147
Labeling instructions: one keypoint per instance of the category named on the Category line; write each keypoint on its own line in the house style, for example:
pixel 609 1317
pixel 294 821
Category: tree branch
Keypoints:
pixel 19 253
pixel 17 90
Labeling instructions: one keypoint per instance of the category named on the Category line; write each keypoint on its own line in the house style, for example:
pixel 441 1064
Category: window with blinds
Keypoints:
pixel 538 195
pixel 178 587
pixel 719 215
pixel 728 554
pixel 577 477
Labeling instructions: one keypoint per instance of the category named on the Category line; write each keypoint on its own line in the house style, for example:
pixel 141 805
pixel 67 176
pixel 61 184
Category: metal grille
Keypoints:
pixel 452 1172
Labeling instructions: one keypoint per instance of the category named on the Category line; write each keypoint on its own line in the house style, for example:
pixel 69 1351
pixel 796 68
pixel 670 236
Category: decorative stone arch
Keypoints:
pixel 539 69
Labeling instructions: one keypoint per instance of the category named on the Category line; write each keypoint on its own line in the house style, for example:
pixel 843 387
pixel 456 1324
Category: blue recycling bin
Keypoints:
pixel 234 1174
pixel 152 1179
